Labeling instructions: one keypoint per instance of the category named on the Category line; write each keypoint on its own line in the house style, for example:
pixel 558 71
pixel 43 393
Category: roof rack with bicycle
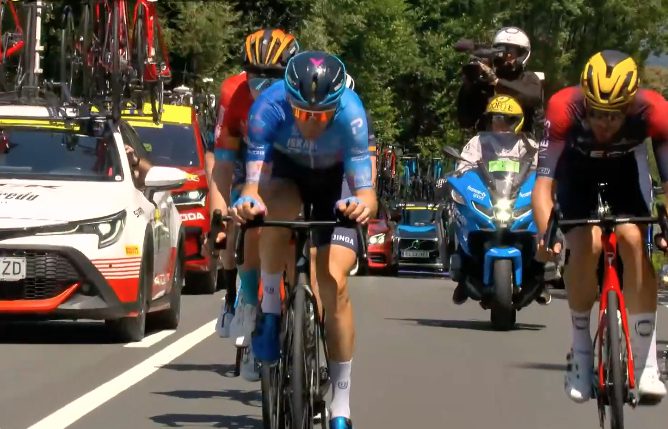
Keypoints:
pixel 103 68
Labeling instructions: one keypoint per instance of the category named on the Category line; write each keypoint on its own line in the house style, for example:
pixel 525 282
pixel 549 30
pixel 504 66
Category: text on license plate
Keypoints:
pixel 12 269
pixel 415 254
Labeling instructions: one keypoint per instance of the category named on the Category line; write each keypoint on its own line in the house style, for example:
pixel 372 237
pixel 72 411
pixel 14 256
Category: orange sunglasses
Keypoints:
pixel 318 115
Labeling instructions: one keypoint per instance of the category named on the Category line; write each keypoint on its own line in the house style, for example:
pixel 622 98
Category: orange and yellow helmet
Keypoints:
pixel 609 80
pixel 267 52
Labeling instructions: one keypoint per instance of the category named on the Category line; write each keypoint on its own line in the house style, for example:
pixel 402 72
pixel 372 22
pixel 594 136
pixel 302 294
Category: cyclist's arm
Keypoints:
pixel 357 162
pixel 226 149
pixel 264 121
pixel 557 124
pixel 657 118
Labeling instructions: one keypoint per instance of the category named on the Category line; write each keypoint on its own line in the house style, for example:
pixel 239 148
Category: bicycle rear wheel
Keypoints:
pixel 68 54
pixel 615 382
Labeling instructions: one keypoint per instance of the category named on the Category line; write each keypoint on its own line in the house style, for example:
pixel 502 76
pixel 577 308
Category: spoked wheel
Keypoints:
pixel 116 89
pixel 139 45
pixel 84 42
pixel 157 97
pixel 300 413
pixel 615 382
pixel 270 384
pixel 69 63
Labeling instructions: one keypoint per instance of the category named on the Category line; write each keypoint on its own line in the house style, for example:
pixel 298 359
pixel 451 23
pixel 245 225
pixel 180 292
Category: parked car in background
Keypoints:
pixel 381 257
pixel 420 238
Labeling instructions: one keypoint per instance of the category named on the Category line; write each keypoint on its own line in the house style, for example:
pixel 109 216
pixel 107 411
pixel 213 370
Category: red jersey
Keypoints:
pixel 234 105
pixel 566 129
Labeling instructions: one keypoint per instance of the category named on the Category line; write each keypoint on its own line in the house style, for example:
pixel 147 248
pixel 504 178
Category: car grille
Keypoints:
pixel 48 274
pixel 408 243
pixel 377 258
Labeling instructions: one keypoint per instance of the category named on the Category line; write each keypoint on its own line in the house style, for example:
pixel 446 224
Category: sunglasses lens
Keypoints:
pixel 306 115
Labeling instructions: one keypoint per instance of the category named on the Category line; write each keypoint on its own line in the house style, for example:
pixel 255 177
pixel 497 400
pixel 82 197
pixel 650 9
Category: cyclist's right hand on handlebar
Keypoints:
pixel 246 208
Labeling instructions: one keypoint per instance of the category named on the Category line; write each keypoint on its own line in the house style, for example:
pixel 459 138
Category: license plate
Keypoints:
pixel 415 254
pixel 12 269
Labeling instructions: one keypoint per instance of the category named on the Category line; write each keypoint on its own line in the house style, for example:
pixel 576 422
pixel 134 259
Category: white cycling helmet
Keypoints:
pixel 350 83
pixel 516 37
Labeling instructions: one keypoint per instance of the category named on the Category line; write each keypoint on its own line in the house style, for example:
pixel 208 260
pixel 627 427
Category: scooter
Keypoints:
pixel 490 206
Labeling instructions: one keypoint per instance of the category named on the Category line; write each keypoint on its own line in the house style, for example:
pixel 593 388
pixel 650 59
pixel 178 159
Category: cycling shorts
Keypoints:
pixel 321 188
pixel 628 190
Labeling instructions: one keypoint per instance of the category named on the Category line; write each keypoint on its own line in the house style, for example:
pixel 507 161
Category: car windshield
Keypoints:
pixel 170 146
pixel 418 217
pixel 57 154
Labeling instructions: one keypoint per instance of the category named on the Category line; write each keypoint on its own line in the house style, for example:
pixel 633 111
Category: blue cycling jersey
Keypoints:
pixel 271 126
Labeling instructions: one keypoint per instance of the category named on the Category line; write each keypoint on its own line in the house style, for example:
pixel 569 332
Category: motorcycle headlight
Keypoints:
pixel 377 239
pixel 456 197
pixel 190 198
pixel 503 210
pixel 108 229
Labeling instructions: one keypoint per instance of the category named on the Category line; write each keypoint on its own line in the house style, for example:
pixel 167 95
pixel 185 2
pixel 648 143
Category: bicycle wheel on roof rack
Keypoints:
pixel 157 89
pixel 139 46
pixel 70 64
pixel 116 76
pixel 83 45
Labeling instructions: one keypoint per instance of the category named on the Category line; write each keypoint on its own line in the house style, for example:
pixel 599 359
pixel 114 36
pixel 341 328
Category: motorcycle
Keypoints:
pixel 490 207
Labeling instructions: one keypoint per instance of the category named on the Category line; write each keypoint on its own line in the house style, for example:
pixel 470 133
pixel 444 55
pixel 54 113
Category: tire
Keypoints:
pixel 169 319
pixel 502 312
pixel 86 34
pixel 116 77
pixel 139 43
pixel 616 380
pixel 67 53
pixel 131 329
pixel 203 283
pixel 269 382
pixel 297 370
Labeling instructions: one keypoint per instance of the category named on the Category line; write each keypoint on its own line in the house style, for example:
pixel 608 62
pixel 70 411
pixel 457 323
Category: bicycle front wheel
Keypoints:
pixel 615 374
pixel 301 416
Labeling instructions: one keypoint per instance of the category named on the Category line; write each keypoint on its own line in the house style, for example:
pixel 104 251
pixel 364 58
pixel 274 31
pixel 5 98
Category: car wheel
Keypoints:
pixel 131 329
pixel 169 319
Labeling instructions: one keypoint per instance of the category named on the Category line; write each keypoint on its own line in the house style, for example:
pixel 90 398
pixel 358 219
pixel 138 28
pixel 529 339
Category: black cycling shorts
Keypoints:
pixel 628 189
pixel 320 188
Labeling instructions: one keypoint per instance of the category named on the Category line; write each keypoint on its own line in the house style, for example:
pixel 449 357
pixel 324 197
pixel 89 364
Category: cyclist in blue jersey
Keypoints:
pixel 304 133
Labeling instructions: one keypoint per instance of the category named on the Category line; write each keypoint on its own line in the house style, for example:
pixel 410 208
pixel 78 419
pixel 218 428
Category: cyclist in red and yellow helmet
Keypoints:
pixel 265 55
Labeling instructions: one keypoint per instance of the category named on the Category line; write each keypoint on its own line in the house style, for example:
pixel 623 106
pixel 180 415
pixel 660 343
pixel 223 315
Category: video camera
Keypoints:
pixel 493 57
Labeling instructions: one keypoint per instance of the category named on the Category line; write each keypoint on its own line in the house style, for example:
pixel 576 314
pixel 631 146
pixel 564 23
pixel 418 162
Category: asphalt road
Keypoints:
pixel 421 362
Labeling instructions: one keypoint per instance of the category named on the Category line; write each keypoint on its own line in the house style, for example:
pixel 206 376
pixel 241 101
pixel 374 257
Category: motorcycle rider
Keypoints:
pixel 507 75
pixel 503 118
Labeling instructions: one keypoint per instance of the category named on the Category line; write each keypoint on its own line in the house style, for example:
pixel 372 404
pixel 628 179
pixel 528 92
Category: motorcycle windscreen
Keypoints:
pixel 506 175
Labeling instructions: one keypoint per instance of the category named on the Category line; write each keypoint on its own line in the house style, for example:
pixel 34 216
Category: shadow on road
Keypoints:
pixel 540 365
pixel 208 420
pixel 252 398
pixel 225 370
pixel 64 332
pixel 475 325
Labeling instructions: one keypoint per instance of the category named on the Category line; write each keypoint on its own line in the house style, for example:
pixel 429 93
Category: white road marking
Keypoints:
pixel 78 408
pixel 150 340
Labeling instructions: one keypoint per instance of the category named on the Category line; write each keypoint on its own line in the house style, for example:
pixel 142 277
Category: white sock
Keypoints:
pixel 642 329
pixel 271 294
pixel 340 372
pixel 581 335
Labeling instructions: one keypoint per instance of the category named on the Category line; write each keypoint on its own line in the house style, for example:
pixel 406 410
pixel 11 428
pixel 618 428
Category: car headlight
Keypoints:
pixel 503 210
pixel 108 229
pixel 456 197
pixel 377 239
pixel 190 198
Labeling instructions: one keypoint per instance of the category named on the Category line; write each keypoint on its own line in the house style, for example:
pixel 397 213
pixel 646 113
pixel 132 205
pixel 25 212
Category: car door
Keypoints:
pixel 160 224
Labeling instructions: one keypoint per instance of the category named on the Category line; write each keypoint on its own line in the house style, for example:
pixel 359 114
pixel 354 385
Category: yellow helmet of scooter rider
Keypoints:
pixel 506 109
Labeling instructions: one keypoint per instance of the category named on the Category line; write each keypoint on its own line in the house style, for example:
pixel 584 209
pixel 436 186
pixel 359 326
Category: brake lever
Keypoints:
pixel 550 236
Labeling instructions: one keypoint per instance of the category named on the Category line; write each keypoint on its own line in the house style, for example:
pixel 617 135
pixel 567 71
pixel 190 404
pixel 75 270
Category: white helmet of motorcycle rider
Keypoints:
pixel 509 37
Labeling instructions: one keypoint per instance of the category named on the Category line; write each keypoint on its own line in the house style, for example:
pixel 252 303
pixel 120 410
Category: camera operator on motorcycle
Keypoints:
pixel 503 71
pixel 595 133
pixel 503 118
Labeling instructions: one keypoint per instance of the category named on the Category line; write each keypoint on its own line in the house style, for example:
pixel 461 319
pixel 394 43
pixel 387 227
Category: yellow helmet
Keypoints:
pixel 507 107
pixel 609 80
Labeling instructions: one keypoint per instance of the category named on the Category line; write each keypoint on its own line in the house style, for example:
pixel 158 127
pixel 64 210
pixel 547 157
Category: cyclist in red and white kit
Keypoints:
pixel 265 55
pixel 595 133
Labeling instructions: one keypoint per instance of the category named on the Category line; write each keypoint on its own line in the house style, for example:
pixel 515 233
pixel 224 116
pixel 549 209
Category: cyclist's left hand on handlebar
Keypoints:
pixel 246 208
pixel 354 209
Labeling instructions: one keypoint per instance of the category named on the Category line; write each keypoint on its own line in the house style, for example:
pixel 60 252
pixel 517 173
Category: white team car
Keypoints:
pixel 78 239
